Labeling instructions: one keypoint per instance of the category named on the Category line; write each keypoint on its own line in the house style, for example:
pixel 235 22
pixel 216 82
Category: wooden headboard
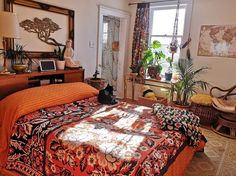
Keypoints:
pixel 13 83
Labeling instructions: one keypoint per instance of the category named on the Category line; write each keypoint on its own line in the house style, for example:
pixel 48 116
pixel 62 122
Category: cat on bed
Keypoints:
pixel 105 96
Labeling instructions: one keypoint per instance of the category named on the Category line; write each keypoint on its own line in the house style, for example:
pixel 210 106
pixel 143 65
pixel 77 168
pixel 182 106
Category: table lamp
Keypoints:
pixel 9 29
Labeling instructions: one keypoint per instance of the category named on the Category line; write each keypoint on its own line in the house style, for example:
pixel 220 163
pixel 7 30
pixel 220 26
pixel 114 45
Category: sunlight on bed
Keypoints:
pixel 118 144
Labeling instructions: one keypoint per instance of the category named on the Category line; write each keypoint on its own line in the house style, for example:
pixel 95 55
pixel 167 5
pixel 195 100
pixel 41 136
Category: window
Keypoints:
pixel 162 19
pixel 105 32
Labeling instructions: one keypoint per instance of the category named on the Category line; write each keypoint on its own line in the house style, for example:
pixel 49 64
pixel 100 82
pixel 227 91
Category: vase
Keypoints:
pixel 168 74
pixel 19 68
pixel 60 65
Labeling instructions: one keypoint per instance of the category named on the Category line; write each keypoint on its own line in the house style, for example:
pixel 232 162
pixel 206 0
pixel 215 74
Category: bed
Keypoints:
pixel 63 130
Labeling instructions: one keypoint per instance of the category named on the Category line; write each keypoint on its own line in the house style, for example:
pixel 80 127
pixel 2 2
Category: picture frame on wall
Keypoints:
pixel 40 40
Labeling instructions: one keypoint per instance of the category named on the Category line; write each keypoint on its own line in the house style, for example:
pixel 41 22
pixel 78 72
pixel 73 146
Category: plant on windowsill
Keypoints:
pixel 188 82
pixel 152 60
pixel 169 72
pixel 60 62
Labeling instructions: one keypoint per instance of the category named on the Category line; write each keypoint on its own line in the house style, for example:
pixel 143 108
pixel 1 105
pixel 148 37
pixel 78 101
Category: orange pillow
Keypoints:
pixel 29 100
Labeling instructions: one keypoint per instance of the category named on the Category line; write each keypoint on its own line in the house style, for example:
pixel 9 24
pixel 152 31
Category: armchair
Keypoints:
pixel 226 106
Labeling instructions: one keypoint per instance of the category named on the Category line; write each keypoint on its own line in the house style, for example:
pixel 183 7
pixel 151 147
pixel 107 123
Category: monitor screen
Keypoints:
pixel 47 65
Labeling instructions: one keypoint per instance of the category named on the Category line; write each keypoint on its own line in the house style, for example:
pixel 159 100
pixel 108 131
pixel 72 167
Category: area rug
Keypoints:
pixel 218 159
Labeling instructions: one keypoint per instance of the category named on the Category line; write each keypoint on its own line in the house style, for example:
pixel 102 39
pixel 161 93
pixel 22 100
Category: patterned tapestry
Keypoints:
pixel 87 138
pixel 141 32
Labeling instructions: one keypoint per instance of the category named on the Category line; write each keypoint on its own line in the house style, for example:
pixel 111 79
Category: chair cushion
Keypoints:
pixel 201 99
pixel 225 105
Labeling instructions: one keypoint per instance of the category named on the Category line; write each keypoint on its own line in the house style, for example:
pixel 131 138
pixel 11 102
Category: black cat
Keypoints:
pixel 105 96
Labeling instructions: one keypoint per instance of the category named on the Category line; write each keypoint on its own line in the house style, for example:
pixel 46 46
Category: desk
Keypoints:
pixel 13 83
pixel 134 79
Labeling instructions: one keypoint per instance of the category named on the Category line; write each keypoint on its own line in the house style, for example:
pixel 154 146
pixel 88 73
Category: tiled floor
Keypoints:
pixel 218 159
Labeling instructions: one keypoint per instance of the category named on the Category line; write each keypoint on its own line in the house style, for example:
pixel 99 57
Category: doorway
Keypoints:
pixel 112 47
pixel 110 50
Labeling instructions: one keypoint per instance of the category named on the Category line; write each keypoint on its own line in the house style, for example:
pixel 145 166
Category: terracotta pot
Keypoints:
pixel 60 65
pixel 154 72
pixel 174 104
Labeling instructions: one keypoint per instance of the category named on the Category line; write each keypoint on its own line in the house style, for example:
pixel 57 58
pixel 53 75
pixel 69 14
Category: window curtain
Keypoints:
pixel 141 32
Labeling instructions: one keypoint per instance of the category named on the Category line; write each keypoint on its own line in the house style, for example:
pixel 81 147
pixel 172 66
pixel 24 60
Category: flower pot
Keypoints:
pixel 60 65
pixel 154 71
pixel 186 107
pixel 168 76
pixel 19 68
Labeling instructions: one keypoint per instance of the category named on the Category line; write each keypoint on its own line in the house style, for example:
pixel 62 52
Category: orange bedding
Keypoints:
pixel 20 103
pixel 177 168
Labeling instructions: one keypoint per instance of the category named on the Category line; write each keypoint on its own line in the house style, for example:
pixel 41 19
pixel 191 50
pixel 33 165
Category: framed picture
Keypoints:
pixel 47 65
pixel 43 26
pixel 217 41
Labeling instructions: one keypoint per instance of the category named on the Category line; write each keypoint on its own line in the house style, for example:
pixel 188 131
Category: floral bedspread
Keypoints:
pixel 87 138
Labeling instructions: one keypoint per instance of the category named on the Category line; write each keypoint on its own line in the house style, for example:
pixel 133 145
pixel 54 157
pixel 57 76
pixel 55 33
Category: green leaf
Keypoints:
pixel 156 44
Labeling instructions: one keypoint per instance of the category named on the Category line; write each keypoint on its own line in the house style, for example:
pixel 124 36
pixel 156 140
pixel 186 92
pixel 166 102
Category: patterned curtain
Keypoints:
pixel 141 32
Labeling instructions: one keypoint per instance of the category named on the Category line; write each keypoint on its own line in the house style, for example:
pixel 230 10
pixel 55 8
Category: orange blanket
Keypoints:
pixel 30 100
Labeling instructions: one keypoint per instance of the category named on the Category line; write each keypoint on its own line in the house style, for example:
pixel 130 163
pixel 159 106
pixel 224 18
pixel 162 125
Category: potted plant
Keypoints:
pixel 60 62
pixel 18 58
pixel 152 59
pixel 188 81
pixel 169 71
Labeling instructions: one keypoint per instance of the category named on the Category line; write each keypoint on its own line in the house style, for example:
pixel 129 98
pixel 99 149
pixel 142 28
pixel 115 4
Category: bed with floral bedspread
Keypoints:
pixel 83 137
pixel 86 138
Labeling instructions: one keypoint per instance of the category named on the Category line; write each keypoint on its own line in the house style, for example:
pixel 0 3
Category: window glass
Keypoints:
pixel 163 21
pixel 162 25
pixel 105 32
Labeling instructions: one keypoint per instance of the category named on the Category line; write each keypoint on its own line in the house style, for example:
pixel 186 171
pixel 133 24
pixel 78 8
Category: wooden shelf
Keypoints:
pixel 13 83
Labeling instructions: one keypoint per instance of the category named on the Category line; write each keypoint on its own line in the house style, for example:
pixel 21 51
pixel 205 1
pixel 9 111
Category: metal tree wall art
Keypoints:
pixel 43 28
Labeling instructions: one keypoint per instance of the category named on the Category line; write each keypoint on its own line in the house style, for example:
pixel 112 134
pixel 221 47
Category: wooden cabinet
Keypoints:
pixel 74 77
pixel 13 83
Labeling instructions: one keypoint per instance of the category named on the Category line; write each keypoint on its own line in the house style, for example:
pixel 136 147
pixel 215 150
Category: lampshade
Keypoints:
pixel 9 25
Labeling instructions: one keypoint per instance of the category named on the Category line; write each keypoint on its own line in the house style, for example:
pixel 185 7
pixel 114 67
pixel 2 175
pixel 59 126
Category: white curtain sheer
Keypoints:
pixel 110 52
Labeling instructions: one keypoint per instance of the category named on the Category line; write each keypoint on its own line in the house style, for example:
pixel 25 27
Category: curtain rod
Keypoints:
pixel 134 3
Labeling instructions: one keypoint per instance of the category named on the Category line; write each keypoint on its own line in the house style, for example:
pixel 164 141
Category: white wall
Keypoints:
pixel 86 16
pixel 223 70
pixel 217 12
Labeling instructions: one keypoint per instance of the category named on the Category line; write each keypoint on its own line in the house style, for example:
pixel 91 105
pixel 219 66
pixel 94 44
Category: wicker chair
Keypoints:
pixel 226 124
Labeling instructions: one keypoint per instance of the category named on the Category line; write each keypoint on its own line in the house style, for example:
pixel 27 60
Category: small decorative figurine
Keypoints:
pixel 69 54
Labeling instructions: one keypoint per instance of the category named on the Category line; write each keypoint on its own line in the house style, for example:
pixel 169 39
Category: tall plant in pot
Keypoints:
pixel 188 82
pixel 60 62
pixel 152 59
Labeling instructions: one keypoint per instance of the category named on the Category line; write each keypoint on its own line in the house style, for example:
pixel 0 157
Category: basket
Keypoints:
pixel 207 114
pixel 201 106
pixel 148 102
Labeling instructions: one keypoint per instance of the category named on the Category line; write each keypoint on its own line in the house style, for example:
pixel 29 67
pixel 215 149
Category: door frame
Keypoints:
pixel 123 36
